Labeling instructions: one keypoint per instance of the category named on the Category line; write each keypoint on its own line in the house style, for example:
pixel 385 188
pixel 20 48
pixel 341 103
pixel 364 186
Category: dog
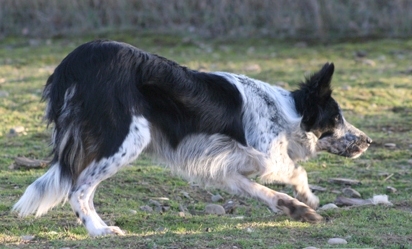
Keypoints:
pixel 109 102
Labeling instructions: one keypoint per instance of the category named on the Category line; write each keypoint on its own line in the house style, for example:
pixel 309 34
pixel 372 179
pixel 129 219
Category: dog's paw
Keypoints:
pixel 299 211
pixel 309 199
pixel 108 230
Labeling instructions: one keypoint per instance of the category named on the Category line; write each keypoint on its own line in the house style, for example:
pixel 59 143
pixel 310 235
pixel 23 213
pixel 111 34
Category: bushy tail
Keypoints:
pixel 43 194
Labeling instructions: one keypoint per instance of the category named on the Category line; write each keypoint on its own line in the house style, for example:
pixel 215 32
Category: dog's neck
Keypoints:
pixel 302 145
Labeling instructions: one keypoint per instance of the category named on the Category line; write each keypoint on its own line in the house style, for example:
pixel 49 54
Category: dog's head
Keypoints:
pixel 322 116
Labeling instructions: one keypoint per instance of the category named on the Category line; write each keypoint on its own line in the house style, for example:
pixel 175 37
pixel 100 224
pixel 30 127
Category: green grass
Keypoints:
pixel 376 97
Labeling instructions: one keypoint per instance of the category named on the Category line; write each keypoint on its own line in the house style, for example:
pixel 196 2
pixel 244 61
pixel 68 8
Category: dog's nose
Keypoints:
pixel 368 140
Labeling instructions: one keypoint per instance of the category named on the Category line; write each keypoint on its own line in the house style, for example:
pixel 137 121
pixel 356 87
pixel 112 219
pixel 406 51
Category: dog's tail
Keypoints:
pixel 46 192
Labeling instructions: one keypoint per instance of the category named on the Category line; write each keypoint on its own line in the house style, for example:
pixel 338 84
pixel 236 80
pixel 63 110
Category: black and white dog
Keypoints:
pixel 110 101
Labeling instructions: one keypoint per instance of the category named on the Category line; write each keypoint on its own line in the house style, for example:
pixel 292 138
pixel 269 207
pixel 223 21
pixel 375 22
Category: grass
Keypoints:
pixel 375 93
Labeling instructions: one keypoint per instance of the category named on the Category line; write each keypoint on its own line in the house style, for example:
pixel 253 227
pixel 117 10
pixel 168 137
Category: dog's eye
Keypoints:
pixel 326 134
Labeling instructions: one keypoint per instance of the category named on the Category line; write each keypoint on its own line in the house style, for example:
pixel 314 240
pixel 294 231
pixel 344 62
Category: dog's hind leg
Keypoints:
pixel 81 196
pixel 275 200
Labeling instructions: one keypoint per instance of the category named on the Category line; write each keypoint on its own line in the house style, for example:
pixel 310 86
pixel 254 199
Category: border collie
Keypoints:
pixel 109 102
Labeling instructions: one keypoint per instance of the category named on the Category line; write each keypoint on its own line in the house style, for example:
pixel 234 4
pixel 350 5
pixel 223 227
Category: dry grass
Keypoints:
pixel 311 19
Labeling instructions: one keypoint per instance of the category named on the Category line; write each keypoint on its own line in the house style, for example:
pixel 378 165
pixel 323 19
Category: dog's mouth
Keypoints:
pixel 358 152
pixel 355 151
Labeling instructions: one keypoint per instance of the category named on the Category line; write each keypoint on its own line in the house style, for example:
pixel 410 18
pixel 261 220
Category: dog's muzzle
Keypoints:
pixel 352 143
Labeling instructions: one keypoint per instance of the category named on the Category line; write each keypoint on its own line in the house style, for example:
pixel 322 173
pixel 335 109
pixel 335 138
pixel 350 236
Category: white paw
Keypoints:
pixel 108 230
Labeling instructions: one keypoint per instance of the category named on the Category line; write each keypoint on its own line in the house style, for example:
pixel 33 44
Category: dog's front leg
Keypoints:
pixel 299 181
pixel 275 200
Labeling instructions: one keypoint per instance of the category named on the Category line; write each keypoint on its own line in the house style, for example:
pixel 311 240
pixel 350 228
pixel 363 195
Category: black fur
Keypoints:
pixel 320 112
pixel 114 81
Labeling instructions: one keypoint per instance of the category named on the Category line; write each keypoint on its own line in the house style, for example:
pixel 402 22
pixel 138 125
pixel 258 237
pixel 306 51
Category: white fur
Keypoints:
pixel 36 201
pixel 81 198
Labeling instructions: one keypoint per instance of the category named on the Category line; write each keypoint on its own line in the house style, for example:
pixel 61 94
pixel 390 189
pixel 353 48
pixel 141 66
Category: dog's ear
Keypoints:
pixel 319 83
pixel 313 94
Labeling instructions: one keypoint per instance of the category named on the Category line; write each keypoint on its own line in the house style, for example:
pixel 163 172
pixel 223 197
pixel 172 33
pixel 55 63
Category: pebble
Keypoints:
pixel 214 209
pixel 310 247
pixel 17 130
pixel 369 62
pixel 185 194
pixel 230 207
pixel 181 214
pixel 27 237
pixel 390 189
pixel 146 208
pixel 317 188
pixel 3 94
pixel 410 160
pixel 350 192
pixel 390 145
pixel 337 241
pixel 155 203
pixel 216 198
pixel 133 211
pixel 328 206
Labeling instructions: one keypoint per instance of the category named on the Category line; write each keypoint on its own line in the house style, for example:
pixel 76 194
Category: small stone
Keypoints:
pixel 27 237
pixel 29 163
pixel 328 206
pixel 361 53
pixel 3 94
pixel 146 208
pixel 181 214
pixel 216 198
pixel 230 207
pixel 155 203
pixel 369 62
pixel 65 248
pixel 337 241
pixel 390 145
pixel 390 189
pixel 158 209
pixel 133 211
pixel 317 188
pixel 17 130
pixel 350 192
pixel 214 209
pixel 249 230
pixel 344 181
pixel 410 160
pixel 185 194
pixel 310 247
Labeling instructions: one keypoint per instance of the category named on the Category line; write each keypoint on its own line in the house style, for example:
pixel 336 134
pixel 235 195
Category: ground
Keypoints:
pixel 372 83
